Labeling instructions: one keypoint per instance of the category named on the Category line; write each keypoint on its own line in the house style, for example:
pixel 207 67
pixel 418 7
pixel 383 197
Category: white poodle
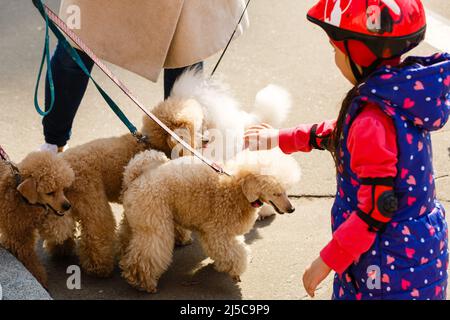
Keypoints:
pixel 224 118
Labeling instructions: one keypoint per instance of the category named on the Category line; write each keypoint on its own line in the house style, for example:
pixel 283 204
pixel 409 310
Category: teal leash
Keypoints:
pixel 54 23
pixel 76 57
pixel 45 59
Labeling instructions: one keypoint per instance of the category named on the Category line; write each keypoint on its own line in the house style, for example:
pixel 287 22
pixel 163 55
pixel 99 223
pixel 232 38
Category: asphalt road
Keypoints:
pixel 280 47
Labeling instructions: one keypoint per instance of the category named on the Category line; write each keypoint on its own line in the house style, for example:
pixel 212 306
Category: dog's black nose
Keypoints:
pixel 290 210
pixel 66 206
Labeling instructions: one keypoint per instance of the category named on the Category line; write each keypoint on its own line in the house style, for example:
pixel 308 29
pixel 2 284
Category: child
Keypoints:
pixel 389 230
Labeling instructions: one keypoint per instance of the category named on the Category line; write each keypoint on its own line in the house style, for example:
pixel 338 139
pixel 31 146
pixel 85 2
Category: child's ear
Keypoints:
pixel 250 188
pixel 28 190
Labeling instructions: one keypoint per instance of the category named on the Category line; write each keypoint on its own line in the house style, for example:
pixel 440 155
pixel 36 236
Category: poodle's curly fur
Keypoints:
pixel 159 194
pixel 98 167
pixel 23 216
pixel 225 119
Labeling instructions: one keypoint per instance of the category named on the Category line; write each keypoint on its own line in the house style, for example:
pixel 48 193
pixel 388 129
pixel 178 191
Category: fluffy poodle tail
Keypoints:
pixel 146 160
pixel 189 84
pixel 223 111
pixel 193 84
pixel 272 105
pixel 220 107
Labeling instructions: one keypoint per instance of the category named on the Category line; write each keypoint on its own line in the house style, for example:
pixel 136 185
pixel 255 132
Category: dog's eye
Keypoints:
pixel 51 193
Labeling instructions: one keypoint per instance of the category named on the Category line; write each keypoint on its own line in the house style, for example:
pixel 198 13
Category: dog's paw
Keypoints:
pixel 100 271
pixel 143 287
pixel 139 279
pixel 151 289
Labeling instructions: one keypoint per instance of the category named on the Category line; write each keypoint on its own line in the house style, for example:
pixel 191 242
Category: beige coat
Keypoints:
pixel 144 36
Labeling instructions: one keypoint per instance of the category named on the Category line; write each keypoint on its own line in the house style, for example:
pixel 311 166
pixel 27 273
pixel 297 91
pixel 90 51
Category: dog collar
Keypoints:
pixel 256 204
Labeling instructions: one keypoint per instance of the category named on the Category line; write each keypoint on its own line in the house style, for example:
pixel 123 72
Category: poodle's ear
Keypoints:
pixel 176 149
pixel 250 188
pixel 171 142
pixel 186 132
pixel 28 190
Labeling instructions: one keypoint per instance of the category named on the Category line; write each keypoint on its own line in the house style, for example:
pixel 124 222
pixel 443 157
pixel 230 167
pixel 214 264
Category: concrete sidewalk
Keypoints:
pixel 282 247
pixel 280 47
pixel 16 282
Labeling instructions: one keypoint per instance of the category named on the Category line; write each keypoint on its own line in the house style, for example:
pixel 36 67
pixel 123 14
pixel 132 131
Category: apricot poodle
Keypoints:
pixel 32 204
pixel 159 194
pixel 99 166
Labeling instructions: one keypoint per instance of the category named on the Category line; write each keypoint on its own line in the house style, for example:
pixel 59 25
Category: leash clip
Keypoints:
pixel 140 137
pixel 15 171
pixel 219 169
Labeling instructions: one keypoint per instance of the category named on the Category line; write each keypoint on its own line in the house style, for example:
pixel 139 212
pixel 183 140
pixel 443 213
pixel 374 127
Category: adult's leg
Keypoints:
pixel 171 75
pixel 70 85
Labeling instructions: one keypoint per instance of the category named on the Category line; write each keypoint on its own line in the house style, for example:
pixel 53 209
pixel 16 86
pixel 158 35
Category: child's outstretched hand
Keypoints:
pixel 261 137
pixel 314 275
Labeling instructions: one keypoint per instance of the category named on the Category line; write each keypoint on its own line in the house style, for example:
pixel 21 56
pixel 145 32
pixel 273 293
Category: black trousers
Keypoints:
pixel 70 86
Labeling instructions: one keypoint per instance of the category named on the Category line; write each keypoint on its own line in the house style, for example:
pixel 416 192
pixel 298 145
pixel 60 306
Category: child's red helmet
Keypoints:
pixel 370 31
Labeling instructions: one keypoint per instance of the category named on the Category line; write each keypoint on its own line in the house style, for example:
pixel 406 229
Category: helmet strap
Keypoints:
pixel 366 71
pixel 356 72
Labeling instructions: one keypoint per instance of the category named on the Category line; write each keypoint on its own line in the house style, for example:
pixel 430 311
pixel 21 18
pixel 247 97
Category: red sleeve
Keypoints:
pixel 373 149
pixel 298 138
pixel 350 240
pixel 372 142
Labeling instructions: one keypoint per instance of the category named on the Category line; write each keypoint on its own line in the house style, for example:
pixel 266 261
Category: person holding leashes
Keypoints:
pixel 141 36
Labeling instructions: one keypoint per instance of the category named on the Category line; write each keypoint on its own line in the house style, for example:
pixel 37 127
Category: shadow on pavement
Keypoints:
pixel 190 276
pixel 254 235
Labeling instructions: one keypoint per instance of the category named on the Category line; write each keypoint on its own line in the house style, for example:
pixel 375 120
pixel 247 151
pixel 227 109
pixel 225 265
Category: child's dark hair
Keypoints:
pixel 335 141
pixel 334 144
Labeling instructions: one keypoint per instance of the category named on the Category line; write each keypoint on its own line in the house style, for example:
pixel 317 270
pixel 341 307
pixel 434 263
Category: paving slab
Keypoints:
pixel 281 246
pixel 16 282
